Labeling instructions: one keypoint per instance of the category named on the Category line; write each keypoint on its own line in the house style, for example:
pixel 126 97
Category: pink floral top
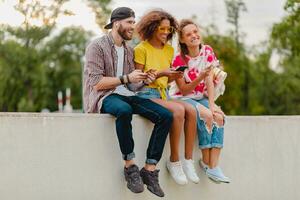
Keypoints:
pixel 195 65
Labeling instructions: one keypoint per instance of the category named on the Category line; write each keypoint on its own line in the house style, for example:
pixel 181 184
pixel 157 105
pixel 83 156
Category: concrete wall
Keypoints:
pixel 76 157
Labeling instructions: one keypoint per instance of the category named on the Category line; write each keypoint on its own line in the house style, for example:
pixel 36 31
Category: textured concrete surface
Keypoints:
pixel 76 157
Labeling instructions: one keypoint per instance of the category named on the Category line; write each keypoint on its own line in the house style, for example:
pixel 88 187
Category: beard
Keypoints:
pixel 123 33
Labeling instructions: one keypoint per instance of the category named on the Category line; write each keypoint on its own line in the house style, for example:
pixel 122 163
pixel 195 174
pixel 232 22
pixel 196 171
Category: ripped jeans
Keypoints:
pixel 206 139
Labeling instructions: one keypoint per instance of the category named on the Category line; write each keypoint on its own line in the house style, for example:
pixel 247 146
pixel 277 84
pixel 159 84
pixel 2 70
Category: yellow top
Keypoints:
pixel 153 58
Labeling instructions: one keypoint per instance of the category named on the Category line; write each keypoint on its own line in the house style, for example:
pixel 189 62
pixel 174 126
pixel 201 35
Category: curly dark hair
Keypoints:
pixel 183 48
pixel 150 21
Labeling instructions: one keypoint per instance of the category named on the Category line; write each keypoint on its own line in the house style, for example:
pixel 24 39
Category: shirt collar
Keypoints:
pixel 112 42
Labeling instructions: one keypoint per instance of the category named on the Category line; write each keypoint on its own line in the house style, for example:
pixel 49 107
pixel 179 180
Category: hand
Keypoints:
pixel 206 71
pixel 151 76
pixel 137 76
pixel 219 110
pixel 172 74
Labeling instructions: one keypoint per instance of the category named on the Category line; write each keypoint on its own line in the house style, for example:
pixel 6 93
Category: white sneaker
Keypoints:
pixel 175 169
pixel 217 175
pixel 189 170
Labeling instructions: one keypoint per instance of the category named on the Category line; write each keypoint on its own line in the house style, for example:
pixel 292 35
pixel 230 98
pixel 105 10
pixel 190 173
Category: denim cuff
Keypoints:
pixel 209 146
pixel 129 156
pixel 151 161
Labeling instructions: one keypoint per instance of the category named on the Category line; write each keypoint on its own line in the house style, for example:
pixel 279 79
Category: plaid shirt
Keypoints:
pixel 101 60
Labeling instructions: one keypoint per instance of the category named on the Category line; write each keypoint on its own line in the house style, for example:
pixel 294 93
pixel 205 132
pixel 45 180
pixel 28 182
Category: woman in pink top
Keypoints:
pixel 199 87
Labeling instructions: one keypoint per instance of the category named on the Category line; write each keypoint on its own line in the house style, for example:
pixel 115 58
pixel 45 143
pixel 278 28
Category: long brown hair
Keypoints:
pixel 150 21
pixel 183 48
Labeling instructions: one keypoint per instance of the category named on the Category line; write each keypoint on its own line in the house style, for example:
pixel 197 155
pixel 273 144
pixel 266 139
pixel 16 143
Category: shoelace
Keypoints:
pixel 178 168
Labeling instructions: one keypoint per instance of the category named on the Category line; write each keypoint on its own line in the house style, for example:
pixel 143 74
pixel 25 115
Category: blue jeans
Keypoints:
pixel 151 93
pixel 207 140
pixel 122 107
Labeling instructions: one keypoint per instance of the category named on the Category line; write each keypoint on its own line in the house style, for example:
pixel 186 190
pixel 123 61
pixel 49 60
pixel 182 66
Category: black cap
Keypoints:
pixel 118 14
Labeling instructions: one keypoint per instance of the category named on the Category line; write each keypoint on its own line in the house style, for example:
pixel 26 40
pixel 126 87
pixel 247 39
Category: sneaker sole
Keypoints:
pixel 195 182
pixel 216 179
pixel 222 181
pixel 154 192
pixel 150 189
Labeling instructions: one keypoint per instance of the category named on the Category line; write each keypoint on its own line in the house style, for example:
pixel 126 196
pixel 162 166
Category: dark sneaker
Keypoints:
pixel 133 178
pixel 151 180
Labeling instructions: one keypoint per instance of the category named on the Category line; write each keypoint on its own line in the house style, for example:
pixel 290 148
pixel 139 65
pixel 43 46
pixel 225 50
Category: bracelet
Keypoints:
pixel 121 79
pixel 128 80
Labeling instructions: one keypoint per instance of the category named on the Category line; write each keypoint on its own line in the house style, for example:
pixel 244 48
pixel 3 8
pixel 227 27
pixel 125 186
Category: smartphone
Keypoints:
pixel 181 68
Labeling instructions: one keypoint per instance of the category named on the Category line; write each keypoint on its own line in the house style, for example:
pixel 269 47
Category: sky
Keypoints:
pixel 255 23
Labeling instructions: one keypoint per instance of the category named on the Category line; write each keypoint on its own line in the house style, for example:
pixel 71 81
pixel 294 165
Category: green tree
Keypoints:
pixel 101 10
pixel 234 10
pixel 35 64
pixel 64 62
pixel 23 76
pixel 226 51
pixel 285 41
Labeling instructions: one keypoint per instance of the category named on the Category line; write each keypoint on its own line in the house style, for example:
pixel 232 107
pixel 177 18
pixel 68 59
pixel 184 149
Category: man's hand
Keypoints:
pixel 137 76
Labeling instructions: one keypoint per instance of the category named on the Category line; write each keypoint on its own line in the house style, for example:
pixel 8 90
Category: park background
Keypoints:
pixel 42 45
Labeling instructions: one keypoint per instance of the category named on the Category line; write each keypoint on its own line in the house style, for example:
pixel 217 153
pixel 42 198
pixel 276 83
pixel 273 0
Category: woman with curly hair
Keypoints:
pixel 154 55
pixel 203 82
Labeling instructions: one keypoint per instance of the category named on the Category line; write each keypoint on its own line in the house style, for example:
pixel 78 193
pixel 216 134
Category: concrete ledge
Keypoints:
pixel 76 156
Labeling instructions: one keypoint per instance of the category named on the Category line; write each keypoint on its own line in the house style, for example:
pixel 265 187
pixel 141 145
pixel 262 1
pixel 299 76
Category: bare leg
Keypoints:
pixel 207 116
pixel 177 125
pixel 205 156
pixel 214 157
pixel 150 167
pixel 190 128
pixel 128 163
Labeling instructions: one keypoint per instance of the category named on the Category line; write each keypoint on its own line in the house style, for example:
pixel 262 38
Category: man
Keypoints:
pixel 108 74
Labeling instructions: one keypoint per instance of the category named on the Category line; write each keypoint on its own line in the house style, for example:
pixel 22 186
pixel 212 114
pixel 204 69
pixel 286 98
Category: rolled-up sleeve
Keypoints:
pixel 94 64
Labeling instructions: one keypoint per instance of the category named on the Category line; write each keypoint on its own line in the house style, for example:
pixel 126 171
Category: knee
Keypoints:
pixel 166 115
pixel 178 112
pixel 190 112
pixel 124 111
pixel 219 119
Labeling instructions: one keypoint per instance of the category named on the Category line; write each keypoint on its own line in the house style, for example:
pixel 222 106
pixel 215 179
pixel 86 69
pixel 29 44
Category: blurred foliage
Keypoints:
pixel 285 40
pixel 101 10
pixel 36 60
pixel 253 87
